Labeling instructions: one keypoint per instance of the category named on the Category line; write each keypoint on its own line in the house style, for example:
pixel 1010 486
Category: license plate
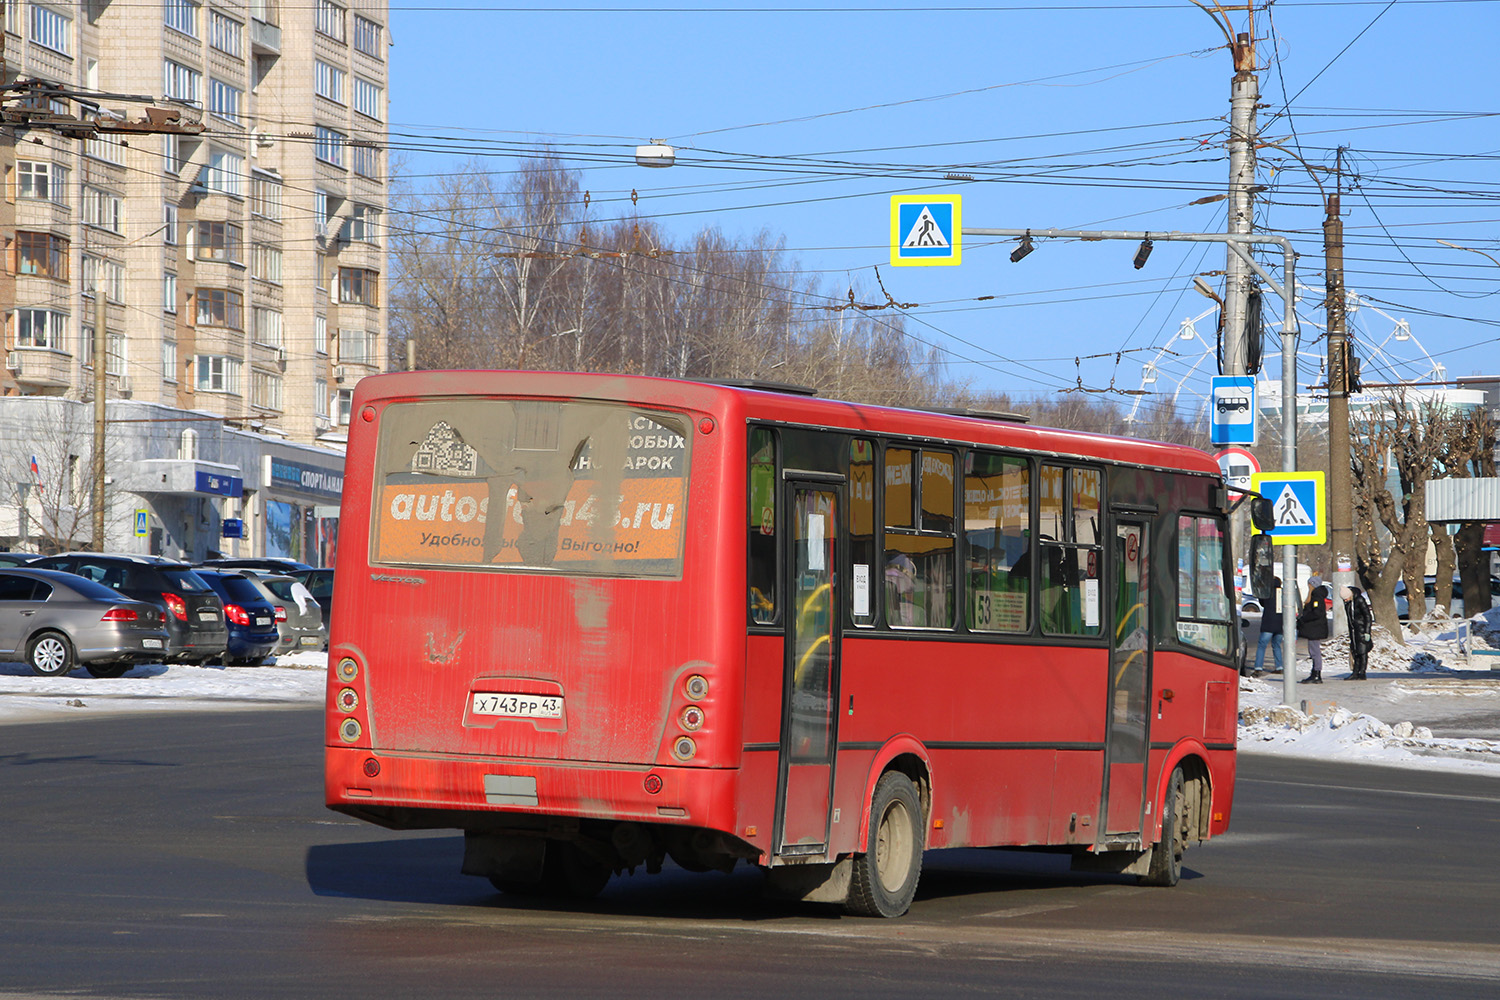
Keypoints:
pixel 151 644
pixel 208 616
pixel 308 640
pixel 519 706
pixel 262 621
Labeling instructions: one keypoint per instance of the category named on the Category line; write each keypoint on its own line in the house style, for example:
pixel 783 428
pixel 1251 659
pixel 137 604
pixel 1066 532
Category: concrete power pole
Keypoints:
pixel 1340 477
pixel 1238 280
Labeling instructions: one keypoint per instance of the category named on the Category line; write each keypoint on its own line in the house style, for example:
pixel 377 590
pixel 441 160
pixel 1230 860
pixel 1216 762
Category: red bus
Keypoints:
pixel 597 621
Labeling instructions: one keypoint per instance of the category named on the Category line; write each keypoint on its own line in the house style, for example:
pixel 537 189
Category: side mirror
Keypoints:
pixel 1262 515
pixel 1262 568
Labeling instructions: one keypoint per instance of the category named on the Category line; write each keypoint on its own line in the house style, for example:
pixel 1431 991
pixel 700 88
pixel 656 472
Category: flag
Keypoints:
pixel 37 473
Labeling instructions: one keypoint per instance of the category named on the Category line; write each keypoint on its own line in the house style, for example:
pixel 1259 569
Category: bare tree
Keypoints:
pixel 56 502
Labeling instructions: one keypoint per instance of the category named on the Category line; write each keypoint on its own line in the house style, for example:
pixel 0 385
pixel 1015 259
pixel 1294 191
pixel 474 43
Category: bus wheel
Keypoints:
pixel 571 872
pixel 1166 856
pixel 885 875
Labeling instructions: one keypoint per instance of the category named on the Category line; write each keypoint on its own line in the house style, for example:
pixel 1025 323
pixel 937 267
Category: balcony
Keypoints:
pixel 265 39
pixel 43 370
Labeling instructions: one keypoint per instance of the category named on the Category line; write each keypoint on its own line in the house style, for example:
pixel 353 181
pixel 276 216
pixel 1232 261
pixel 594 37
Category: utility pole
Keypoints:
pixel 1238 280
pixel 1340 381
pixel 101 348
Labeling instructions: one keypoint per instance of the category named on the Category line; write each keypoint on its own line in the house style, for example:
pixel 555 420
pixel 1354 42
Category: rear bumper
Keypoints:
pixel 409 791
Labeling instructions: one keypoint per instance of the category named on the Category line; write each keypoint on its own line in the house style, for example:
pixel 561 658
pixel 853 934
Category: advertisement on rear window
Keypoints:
pixel 575 487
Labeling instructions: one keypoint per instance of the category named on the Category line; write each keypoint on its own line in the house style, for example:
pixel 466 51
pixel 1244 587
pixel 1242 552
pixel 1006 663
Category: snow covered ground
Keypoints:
pixel 1430 704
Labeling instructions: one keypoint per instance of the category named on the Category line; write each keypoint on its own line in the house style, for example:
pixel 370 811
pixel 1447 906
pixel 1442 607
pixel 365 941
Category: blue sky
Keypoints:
pixel 803 120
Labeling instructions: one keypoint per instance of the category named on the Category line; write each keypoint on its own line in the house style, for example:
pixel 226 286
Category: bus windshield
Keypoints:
pixel 536 485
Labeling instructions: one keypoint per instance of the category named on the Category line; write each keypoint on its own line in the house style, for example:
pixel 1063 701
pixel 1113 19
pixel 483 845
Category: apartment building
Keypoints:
pixel 237 272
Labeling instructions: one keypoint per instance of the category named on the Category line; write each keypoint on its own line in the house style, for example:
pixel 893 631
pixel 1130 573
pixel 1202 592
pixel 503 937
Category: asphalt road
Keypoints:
pixel 191 856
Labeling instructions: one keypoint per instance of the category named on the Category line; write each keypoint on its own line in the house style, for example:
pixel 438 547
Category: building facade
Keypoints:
pixel 238 272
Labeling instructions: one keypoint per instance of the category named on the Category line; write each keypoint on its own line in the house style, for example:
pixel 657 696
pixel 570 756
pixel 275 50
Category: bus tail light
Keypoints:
pixel 347 700
pixel 349 730
pixel 652 784
pixel 372 767
pixel 691 718
pixel 683 748
pixel 175 605
pixel 348 670
pixel 696 687
pixel 236 614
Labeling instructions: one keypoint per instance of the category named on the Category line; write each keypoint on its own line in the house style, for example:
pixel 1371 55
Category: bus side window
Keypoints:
pixel 919 557
pixel 997 538
pixel 1203 614
pixel 761 554
pixel 862 531
pixel 1070 585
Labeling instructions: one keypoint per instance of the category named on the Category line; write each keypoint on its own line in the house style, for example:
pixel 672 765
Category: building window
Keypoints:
pixel 169 292
pixel 328 145
pixel 15 20
pixel 221 307
pixel 366 160
pixel 367 98
pixel 330 20
pixel 102 209
pixel 320 398
pixel 345 406
pixel 320 271
pixel 42 181
pixel 328 81
pixel 224 100
pixel 224 33
pixel 367 36
pixel 169 223
pixel 109 148
pixel 225 172
pixel 265 390
pixel 113 278
pixel 217 373
pixel 320 334
pixel 182 83
pixel 363 223
pixel 51 30
pixel 219 241
pixel 175 154
pixel 268 327
pixel 114 350
pixel 169 361
pixel 265 196
pixel 42 254
pixel 181 15
pixel 356 347
pixel 41 328
pixel 358 286
pixel 266 263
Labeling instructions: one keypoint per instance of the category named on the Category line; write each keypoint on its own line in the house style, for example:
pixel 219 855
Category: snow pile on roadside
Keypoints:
pixel 1432 667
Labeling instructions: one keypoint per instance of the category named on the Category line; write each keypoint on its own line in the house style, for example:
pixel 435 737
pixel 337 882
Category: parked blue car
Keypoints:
pixel 250 617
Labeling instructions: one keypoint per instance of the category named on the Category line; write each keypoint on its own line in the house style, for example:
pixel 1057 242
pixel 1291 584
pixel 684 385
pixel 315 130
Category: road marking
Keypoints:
pixel 1026 911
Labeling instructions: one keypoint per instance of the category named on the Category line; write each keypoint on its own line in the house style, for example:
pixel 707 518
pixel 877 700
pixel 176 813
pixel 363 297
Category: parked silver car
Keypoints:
pixel 298 617
pixel 59 621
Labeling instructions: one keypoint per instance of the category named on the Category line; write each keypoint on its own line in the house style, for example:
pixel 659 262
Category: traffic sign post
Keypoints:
pixel 1239 467
pixel 926 230
pixel 1299 505
pixel 1231 416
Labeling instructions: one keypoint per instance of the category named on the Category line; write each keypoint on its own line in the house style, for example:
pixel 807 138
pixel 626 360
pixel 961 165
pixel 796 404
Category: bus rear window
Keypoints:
pixel 590 488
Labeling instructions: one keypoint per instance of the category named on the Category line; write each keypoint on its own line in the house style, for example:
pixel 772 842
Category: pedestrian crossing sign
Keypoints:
pixel 1299 506
pixel 926 230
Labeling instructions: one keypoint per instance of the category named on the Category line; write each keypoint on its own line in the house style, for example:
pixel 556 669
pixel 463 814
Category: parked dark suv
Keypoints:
pixel 252 619
pixel 194 613
pixel 276 564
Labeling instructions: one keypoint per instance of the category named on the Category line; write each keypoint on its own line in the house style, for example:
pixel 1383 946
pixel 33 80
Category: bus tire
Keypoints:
pixel 1166 855
pixel 885 876
pixel 572 873
pixel 50 654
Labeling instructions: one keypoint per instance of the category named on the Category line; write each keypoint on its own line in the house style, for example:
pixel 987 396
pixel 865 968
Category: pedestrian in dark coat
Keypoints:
pixel 1361 619
pixel 1312 625
pixel 1270 629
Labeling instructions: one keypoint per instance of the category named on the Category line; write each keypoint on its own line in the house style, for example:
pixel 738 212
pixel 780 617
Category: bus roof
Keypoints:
pixel 789 405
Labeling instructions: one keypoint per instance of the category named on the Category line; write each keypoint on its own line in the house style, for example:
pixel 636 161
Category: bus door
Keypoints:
pixel 811 678
pixel 1128 738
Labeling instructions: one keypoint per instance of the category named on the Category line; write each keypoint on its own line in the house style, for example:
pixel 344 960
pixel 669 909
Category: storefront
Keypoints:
pixel 300 507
